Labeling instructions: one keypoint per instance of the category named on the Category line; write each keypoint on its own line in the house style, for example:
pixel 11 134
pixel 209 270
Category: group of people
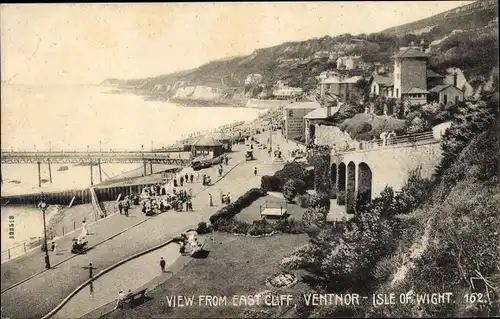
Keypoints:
pixel 387 137
pixel 192 241
pixel 179 199
pixel 184 179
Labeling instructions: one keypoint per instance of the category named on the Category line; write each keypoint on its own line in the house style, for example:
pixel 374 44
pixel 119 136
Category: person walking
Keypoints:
pixel 255 171
pixel 191 178
pixel 182 181
pixel 85 232
pixel 162 264
pixel 126 207
pixel 229 197
pixel 53 246
pixel 120 207
pixel 186 178
pixel 210 201
pixel 91 271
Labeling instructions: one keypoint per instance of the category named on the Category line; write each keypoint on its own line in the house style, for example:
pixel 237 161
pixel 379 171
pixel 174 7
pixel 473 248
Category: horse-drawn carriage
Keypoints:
pixel 79 245
pixel 249 155
pixel 207 181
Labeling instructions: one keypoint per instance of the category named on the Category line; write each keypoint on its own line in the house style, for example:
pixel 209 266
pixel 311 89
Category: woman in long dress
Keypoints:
pixel 85 232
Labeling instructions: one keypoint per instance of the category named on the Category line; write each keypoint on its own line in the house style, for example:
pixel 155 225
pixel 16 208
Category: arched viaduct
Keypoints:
pixel 361 174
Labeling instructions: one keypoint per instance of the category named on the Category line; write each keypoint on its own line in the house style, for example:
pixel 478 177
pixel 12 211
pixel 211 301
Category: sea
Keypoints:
pixel 79 118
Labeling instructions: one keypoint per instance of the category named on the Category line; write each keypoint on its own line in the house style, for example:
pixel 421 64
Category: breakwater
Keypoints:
pixel 82 196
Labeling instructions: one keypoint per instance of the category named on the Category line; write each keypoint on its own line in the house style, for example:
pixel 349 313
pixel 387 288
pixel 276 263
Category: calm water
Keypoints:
pixel 61 118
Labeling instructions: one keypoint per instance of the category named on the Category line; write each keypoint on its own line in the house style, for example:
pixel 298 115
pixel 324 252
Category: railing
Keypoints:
pixel 403 140
pixel 282 205
pixel 20 248
pixel 100 155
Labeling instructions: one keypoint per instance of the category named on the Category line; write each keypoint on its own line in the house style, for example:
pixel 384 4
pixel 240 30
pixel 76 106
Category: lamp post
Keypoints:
pixel 43 207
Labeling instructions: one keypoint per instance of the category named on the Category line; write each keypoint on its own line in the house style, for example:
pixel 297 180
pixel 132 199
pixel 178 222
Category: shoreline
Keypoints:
pixel 186 102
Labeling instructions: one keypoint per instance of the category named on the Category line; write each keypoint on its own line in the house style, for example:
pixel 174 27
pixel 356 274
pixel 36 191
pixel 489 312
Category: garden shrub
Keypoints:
pixel 290 170
pixel 300 186
pixel 303 200
pixel 203 228
pixel 260 227
pixel 318 201
pixel 289 226
pixel 230 210
pixel 270 183
pixel 314 219
pixel 290 190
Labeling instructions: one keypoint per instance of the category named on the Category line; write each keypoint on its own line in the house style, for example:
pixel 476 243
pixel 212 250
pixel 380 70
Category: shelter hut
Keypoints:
pixel 225 139
pixel 207 145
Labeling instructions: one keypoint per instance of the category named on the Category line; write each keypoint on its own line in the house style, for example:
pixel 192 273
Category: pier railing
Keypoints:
pixel 176 158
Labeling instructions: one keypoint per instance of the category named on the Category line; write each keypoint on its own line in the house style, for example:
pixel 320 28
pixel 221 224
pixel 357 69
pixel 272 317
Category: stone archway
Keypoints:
pixel 341 185
pixel 364 184
pixel 333 175
pixel 350 194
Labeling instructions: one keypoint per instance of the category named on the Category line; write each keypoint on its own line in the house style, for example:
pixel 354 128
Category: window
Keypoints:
pixel 397 76
pixel 445 99
pixel 397 92
pixel 457 98
pixel 290 113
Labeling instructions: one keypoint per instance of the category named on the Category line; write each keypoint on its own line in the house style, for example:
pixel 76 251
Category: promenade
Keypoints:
pixel 117 237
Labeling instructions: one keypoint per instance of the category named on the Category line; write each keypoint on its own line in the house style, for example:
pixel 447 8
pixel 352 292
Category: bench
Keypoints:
pixel 134 297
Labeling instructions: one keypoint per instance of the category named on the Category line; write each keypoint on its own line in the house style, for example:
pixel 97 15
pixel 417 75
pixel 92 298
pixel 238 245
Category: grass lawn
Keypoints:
pixel 252 212
pixel 234 266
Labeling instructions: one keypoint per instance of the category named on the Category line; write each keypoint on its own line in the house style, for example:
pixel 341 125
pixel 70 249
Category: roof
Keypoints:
pixel 302 105
pixel 432 74
pixel 442 87
pixel 220 136
pixel 410 53
pixel 321 113
pixel 384 80
pixel 352 79
pixel 416 90
pixel 207 140
pixel 334 80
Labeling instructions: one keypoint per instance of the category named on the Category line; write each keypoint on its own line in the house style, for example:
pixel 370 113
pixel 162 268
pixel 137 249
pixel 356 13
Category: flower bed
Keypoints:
pixel 281 280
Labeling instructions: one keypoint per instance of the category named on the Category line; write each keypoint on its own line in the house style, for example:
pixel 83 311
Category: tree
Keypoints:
pixel 290 190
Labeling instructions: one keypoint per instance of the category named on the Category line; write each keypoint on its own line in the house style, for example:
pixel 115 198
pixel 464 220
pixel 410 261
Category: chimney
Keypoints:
pixel 455 77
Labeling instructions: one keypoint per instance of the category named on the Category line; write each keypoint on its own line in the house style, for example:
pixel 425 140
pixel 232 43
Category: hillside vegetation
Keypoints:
pixel 474 51
pixel 435 236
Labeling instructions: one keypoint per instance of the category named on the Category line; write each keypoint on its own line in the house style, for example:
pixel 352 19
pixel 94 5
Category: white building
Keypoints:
pixel 287 93
pixel 321 54
pixel 349 62
pixel 253 79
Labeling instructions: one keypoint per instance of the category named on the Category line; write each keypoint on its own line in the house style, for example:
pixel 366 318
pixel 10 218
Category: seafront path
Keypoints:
pixel 119 237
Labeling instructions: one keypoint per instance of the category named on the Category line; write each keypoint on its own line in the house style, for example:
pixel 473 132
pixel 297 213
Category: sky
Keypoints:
pixel 85 43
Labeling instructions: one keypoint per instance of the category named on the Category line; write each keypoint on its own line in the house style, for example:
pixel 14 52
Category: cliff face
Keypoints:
pixel 199 92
